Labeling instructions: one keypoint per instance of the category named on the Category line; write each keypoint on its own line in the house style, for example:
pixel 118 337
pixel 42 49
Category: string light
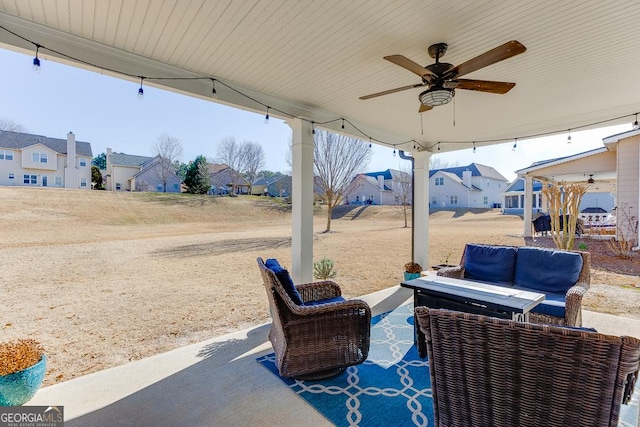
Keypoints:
pixel 369 137
pixel 569 137
pixel 515 144
pixel 141 91
pixel 214 93
pixel 36 68
pixel 343 128
pixel 394 151
pixel 474 147
pixel 313 129
pixel 266 118
pixel 36 61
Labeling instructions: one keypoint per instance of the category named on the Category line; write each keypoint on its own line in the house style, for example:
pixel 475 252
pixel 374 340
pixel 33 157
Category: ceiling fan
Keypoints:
pixel 441 78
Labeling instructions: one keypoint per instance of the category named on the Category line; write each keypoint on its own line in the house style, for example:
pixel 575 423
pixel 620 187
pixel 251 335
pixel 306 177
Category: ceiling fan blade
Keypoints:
pixel 500 53
pixel 484 85
pixel 387 92
pixel 408 64
pixel 424 108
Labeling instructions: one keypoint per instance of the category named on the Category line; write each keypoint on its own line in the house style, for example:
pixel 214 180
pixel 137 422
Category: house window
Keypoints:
pixel 118 186
pixel 11 176
pixel 454 200
pixel 30 179
pixel 440 180
pixel 485 200
pixel 434 201
pixel 159 188
pixel 58 181
pixel 39 157
pixel 83 163
pixel 83 182
pixel 6 155
pixel 175 187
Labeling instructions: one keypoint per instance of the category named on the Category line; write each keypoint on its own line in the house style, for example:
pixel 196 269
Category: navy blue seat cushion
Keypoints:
pixel 285 280
pixel 494 264
pixel 325 301
pixel 547 270
pixel 553 304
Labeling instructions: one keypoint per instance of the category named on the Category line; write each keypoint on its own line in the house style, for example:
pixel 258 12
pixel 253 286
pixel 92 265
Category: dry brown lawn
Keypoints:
pixel 103 278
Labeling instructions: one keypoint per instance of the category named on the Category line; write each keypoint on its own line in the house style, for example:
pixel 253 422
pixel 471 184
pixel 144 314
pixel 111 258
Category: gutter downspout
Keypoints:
pixel 403 156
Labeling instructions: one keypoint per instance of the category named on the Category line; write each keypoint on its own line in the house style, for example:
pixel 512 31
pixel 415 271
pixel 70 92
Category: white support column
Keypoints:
pixel 528 206
pixel 421 208
pixel 302 202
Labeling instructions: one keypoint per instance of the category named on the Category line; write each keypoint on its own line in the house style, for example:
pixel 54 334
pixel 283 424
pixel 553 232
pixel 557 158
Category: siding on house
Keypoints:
pixel 35 160
pixel 628 188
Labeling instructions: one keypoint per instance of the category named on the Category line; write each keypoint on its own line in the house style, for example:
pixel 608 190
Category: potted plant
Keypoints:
pixel 22 370
pixel 444 263
pixel 412 270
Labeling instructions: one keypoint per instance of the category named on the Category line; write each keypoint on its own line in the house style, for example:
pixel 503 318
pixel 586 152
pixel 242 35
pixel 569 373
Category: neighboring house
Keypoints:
pixel 278 186
pixel 513 197
pixel 377 188
pixel 472 186
pixel 39 161
pixel 127 172
pixel 222 180
pixel 612 169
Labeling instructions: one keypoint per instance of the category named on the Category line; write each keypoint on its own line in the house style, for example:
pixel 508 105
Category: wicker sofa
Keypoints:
pixel 487 371
pixel 563 276
pixel 315 332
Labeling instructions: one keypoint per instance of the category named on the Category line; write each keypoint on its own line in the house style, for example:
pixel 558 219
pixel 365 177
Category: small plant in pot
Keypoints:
pixel 22 370
pixel 412 270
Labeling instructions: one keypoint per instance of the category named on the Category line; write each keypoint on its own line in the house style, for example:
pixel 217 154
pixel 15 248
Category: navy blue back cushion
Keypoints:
pixel 495 264
pixel 547 270
pixel 285 280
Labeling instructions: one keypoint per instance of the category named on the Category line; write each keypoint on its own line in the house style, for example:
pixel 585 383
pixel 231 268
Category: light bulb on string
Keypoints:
pixel 266 118
pixel 369 142
pixel 569 137
pixel 313 128
pixel 438 146
pixel 394 151
pixel 36 61
pixel 343 128
pixel 635 124
pixel 515 144
pixel 214 93
pixel 141 91
pixel 474 147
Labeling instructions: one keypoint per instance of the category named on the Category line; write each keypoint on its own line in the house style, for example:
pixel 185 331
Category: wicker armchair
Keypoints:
pixel 487 371
pixel 315 341
pixel 573 297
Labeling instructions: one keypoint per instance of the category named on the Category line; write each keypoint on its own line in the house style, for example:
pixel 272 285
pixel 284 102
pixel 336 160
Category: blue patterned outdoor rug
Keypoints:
pixel 391 388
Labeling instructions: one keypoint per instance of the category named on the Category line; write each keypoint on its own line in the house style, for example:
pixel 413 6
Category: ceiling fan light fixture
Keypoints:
pixel 435 96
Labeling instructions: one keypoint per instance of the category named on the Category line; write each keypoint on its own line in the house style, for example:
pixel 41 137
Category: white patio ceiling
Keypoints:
pixel 313 59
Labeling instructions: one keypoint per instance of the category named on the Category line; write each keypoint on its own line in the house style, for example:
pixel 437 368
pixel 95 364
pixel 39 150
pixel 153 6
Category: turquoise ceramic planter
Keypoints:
pixel 18 388
pixel 411 276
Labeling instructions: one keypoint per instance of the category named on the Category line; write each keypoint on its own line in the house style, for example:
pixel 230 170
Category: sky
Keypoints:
pixel 106 112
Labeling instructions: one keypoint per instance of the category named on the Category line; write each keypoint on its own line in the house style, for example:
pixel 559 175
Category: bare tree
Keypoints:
pixel 439 163
pixel 254 160
pixel 169 150
pixel 337 159
pixel 403 189
pixel 10 125
pixel 232 154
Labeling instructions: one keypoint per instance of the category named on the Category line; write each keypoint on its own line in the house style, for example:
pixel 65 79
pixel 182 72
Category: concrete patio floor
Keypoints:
pixel 216 382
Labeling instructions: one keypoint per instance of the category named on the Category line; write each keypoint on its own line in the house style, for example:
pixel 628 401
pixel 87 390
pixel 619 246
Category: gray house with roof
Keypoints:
pixel 127 172
pixel 39 161
pixel 471 186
